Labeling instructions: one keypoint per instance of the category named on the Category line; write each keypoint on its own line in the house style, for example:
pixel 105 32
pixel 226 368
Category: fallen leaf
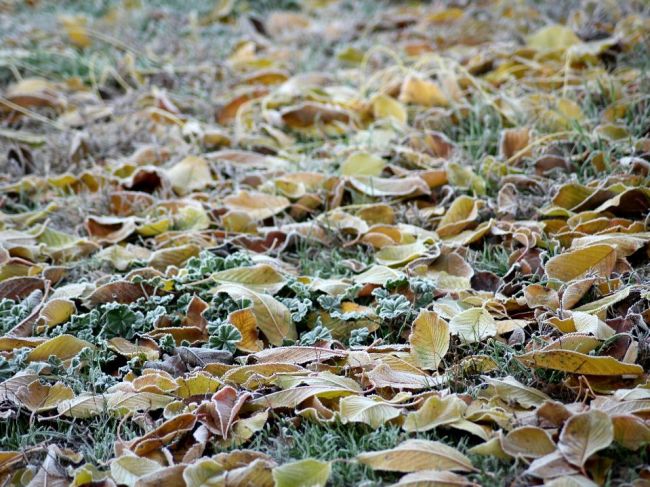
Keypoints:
pixel 429 340
pixel 303 473
pixel 584 434
pixel 417 455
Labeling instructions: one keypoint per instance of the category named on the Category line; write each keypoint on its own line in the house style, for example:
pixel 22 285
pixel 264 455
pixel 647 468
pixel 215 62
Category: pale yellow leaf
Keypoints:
pixel 434 412
pixel 190 174
pixel 584 434
pixel 416 455
pixel 429 340
pixel 303 473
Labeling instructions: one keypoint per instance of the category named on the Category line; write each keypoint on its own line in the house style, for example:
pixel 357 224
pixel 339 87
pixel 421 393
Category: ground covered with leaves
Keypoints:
pixel 330 242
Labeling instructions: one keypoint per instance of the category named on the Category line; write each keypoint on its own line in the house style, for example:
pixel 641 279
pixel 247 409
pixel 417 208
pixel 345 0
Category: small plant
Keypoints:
pixel 223 336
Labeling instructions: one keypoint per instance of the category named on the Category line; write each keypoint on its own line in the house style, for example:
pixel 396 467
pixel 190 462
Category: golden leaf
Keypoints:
pixel 598 260
pixel 429 340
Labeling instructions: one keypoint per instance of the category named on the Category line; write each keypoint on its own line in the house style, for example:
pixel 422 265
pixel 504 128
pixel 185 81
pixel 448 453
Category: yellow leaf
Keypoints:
pixel 203 473
pixel 584 434
pixel 513 144
pixel 379 187
pixel 122 256
pixel 129 402
pixel 473 325
pixel 303 473
pixel 597 259
pixel 553 37
pixel 601 305
pixel 55 312
pixel 258 278
pixel 373 411
pixel 435 411
pixel 154 227
pixel 198 384
pixel 309 115
pixel 509 389
pixel 416 455
pixel 296 355
pixel 38 397
pixel 363 164
pixel 429 340
pixel 191 217
pixel 244 428
pixel 190 174
pixel 384 106
pixel 624 243
pixel 422 92
pixel 291 398
pixel 240 375
pixel 239 222
pixel 462 212
pixel 538 295
pixel 491 448
pixel 258 206
pixel 433 478
pixel 87 405
pixel 398 255
pixel 571 481
pixel 630 431
pixel 109 229
pixel 75 28
pixel 244 320
pixel 528 442
pixel 586 323
pixel 63 346
pixel 273 317
pixel 128 469
pixel 578 363
pixel 128 349
pixel 173 256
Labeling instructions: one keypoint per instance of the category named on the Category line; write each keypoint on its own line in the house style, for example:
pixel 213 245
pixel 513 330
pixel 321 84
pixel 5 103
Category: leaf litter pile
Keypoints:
pixel 324 243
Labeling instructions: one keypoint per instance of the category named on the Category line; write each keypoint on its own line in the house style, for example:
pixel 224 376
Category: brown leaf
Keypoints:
pixel 220 412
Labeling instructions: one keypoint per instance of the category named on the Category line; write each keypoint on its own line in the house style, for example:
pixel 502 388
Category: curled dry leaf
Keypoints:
pixel 462 212
pixel 434 412
pixel 220 412
pixel 372 411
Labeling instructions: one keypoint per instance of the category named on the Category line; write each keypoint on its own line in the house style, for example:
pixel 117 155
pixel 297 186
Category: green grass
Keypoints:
pixel 287 441
pixel 491 258
pixel 329 262
pixel 477 131
pixel 94 439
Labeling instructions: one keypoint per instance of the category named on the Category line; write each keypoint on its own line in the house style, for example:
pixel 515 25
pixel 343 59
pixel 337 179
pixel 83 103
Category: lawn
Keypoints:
pixel 324 243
